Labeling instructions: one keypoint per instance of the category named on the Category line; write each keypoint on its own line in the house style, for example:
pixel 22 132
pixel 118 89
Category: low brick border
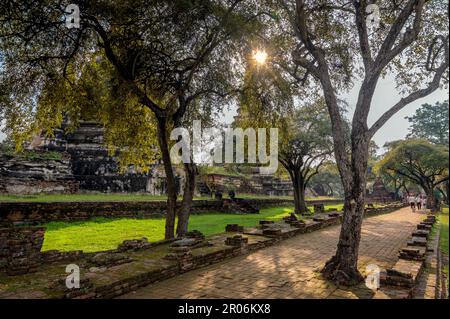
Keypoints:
pixel 404 277
pixel 20 213
pixel 34 213
pixel 23 213
pixel 23 256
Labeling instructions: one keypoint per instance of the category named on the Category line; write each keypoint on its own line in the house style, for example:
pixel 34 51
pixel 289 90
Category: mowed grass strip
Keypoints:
pixel 103 234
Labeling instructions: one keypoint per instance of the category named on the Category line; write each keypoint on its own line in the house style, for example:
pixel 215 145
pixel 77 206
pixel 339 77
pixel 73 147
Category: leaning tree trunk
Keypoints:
pixel 397 193
pixel 406 189
pixel 188 196
pixel 170 178
pixel 299 193
pixel 342 268
pixel 330 190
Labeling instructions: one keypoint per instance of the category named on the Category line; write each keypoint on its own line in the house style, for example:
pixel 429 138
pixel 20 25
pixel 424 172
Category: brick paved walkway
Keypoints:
pixel 289 269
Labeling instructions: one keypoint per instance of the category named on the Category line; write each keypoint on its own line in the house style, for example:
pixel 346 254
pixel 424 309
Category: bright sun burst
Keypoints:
pixel 260 56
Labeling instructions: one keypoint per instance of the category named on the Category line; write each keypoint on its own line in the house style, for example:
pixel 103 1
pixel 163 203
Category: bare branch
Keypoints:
pixel 432 86
pixel 387 52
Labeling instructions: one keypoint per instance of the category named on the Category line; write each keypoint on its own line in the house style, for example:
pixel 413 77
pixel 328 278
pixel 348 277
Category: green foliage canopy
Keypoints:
pixel 430 122
pixel 419 161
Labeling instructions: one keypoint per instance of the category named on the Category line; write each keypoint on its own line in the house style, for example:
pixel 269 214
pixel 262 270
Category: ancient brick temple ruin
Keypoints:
pixel 84 164
pixel 21 175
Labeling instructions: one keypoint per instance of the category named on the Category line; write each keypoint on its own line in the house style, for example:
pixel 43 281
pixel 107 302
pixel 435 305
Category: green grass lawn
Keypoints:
pixel 118 197
pixel 444 236
pixel 104 234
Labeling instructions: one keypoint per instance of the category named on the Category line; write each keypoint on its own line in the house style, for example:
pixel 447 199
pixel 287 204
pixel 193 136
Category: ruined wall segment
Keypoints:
pixel 36 174
pixel 82 164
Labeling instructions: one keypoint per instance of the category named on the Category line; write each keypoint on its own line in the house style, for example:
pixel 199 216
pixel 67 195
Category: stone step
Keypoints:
pixel 423 226
pixel 421 233
pixel 417 241
pixel 234 228
pixel 413 253
pixel 404 273
pixel 271 232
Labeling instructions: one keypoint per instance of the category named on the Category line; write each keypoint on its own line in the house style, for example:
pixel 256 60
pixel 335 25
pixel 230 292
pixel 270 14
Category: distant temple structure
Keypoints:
pixel 250 184
pixel 379 192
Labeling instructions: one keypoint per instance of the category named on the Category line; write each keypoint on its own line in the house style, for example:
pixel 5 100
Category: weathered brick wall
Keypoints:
pixel 35 213
pixel 20 249
pixel 19 175
pixel 267 202
pixel 252 184
pixel 19 213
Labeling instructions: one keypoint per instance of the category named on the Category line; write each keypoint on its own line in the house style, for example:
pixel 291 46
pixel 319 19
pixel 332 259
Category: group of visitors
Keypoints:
pixel 418 201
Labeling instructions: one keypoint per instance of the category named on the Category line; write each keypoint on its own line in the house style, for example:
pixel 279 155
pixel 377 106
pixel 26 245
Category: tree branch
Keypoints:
pixel 109 52
pixel 386 53
pixel 362 33
pixel 433 86
pixel 322 74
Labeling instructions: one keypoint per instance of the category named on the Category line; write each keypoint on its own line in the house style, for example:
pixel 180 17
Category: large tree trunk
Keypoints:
pixel 342 268
pixel 184 212
pixel 431 200
pixel 299 192
pixel 170 178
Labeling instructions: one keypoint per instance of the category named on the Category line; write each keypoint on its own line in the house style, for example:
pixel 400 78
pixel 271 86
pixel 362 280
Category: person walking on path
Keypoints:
pixel 412 202
pixel 418 201
pixel 424 202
